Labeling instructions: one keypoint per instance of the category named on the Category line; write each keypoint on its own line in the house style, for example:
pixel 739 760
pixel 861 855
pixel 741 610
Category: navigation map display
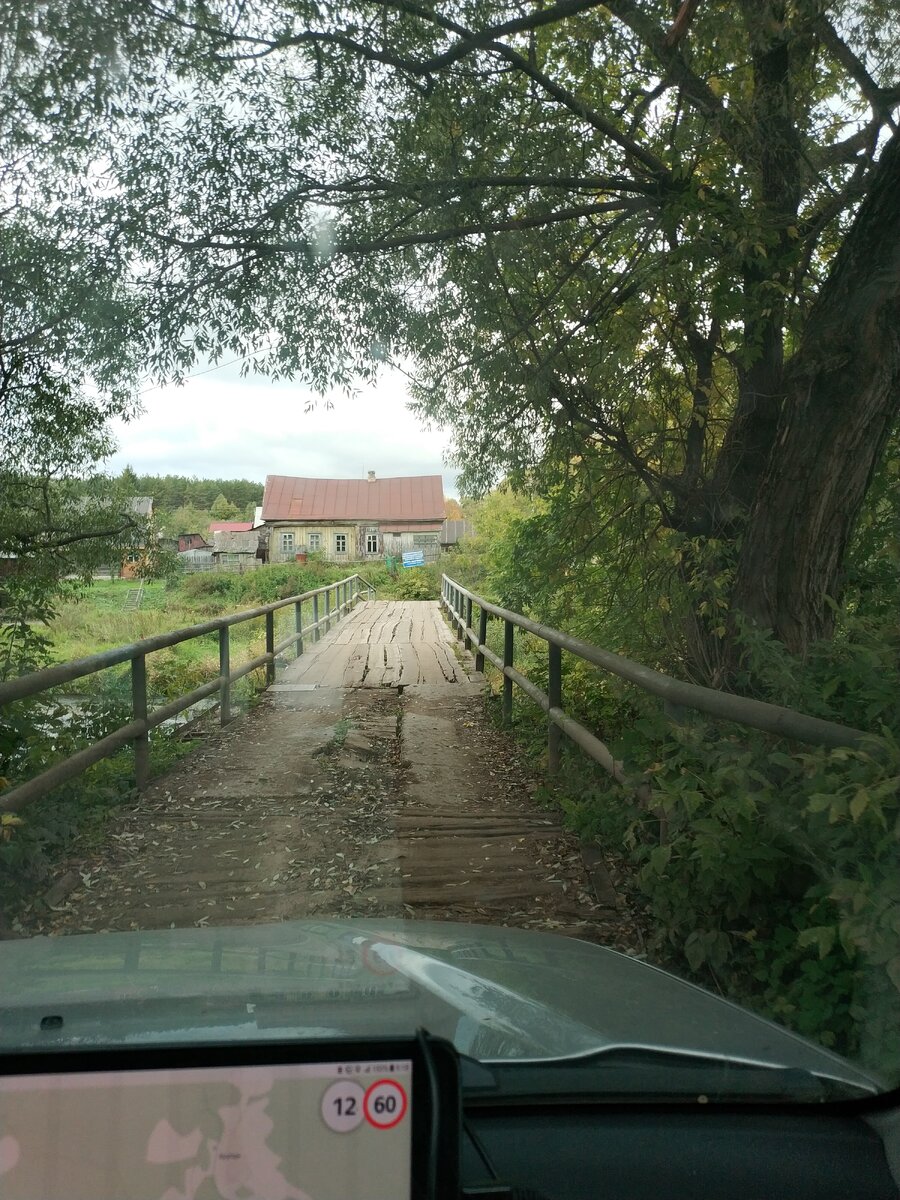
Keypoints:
pixel 300 1131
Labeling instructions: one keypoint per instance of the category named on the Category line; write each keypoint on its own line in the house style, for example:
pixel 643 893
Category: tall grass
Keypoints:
pixel 98 620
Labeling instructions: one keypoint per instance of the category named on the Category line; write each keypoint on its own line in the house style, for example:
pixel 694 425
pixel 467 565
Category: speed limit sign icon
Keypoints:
pixel 385 1103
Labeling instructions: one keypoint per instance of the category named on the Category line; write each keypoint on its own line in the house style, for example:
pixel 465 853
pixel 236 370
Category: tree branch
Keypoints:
pixel 467 42
pixel 675 67
pixel 429 237
pixel 881 100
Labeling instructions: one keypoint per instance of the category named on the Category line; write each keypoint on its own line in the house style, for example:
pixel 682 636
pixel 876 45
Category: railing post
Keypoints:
pixel 316 633
pixel 327 617
pixel 467 638
pixel 298 627
pixel 508 630
pixel 270 647
pixel 482 640
pixel 459 616
pixel 554 694
pixel 139 713
pixel 224 672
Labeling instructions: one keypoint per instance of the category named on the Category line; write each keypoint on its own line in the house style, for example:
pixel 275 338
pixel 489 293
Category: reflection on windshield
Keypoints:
pixel 449 528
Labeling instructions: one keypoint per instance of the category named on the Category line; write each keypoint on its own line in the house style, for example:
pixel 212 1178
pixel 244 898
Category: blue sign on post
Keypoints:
pixel 413 558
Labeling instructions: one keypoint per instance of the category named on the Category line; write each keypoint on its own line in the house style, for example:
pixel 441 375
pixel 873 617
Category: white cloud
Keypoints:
pixel 219 425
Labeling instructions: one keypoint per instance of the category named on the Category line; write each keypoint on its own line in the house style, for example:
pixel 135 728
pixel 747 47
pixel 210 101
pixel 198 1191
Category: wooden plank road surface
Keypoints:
pixel 381 644
pixel 368 782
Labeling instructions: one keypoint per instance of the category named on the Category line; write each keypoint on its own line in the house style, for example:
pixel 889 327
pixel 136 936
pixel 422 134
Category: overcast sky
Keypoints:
pixel 221 426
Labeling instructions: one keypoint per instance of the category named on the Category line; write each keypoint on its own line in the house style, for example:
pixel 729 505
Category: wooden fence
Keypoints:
pixel 345 593
pixel 459 603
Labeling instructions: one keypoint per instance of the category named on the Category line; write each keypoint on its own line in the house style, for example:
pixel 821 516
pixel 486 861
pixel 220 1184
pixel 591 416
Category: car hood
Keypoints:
pixel 498 994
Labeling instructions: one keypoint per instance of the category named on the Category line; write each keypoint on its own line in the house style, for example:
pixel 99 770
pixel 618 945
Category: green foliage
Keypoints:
pixel 482 561
pixel 589 266
pixel 171 492
pixel 417 583
pixel 777 880
pixel 34 734
pixel 222 509
pixel 207 584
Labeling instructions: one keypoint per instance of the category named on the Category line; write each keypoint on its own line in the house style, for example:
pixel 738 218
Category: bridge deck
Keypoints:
pixel 382 643
pixel 367 782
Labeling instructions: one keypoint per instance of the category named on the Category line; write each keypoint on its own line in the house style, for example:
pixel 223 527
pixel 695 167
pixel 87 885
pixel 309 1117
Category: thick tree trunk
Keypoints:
pixel 842 394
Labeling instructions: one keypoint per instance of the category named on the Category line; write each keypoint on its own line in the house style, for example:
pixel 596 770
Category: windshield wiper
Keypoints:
pixel 635 1073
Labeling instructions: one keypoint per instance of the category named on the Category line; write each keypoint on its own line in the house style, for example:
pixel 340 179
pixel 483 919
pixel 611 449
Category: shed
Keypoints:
pixel 453 531
pixel 236 546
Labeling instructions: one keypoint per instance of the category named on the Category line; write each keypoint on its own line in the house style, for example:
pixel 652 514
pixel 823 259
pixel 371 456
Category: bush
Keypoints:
pixel 417 583
pixel 205 584
pixel 776 880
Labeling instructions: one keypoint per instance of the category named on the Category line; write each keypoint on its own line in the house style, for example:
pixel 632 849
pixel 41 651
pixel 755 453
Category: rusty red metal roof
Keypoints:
pixel 230 526
pixel 404 498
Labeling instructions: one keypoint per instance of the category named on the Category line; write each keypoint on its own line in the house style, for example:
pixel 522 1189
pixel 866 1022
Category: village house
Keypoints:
pixel 351 520
pixel 230 526
pixel 192 541
pixel 236 548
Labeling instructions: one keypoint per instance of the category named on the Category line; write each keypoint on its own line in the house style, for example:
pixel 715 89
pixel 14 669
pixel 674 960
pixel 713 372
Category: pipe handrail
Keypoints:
pixel 726 706
pixel 24 686
pixel 346 593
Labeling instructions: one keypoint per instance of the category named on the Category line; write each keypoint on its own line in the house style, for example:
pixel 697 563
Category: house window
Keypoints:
pixel 340 543
pixel 371 543
pixel 423 539
pixel 133 558
pixel 287 543
pixel 315 541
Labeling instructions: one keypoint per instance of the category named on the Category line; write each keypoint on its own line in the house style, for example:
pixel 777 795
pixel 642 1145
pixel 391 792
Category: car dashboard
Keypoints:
pixel 407 1119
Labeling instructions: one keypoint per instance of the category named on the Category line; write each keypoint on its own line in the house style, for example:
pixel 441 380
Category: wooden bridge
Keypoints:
pixel 367 781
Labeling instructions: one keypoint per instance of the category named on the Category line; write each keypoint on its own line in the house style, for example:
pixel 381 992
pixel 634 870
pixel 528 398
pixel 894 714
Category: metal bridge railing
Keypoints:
pixel 344 594
pixel 459 603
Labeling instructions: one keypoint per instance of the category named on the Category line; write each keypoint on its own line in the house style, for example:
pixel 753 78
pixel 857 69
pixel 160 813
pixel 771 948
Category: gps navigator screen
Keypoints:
pixel 304 1131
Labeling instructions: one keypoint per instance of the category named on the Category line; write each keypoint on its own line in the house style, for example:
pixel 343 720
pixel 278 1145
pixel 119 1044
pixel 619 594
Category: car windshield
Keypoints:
pixel 449 531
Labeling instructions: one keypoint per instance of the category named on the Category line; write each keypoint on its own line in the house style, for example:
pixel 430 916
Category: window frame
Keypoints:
pixel 338 539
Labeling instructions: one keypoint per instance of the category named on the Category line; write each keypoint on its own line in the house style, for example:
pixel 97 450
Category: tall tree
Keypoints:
pixel 610 225
pixel 70 324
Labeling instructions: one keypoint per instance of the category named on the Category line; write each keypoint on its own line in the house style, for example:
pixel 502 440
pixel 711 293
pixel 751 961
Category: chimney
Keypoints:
pixel 371 477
